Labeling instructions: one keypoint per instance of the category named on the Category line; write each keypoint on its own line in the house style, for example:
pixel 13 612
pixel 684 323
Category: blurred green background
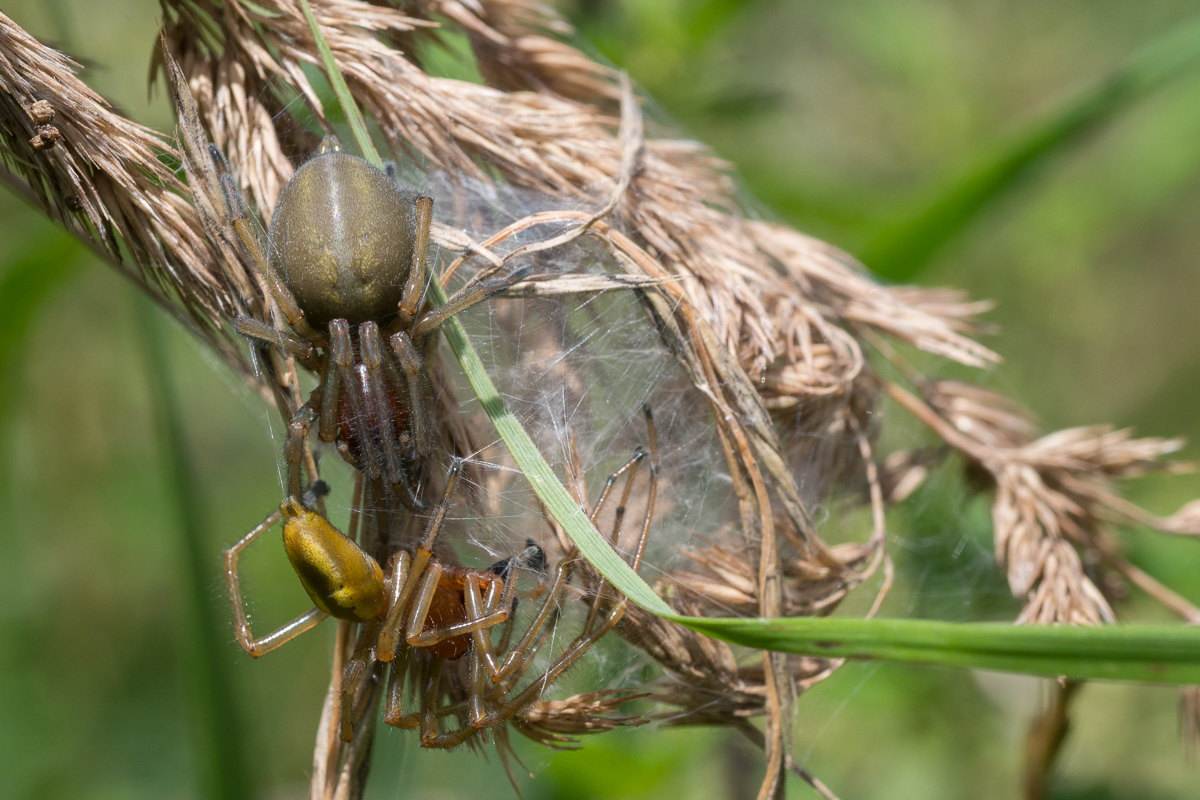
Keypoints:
pixel 845 119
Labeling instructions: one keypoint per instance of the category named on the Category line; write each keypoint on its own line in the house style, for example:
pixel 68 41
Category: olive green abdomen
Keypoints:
pixel 341 238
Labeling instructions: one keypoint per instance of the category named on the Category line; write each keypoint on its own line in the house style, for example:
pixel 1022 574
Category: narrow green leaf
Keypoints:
pixel 903 249
pixel 216 718
pixel 349 107
pixel 1149 653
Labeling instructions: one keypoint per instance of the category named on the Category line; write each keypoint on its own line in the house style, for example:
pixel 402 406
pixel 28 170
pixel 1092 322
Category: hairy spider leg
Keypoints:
pixel 390 633
pixel 238 220
pixel 410 301
pixel 372 376
pixel 412 364
pixel 515 660
pixel 591 633
pixel 257 647
pixel 288 343
pixel 464 299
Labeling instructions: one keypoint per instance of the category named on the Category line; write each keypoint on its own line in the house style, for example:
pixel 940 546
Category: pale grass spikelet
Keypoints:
pixel 1053 494
pixel 108 181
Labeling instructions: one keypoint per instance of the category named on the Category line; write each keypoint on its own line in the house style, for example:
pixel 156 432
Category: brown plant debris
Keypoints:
pixel 770 329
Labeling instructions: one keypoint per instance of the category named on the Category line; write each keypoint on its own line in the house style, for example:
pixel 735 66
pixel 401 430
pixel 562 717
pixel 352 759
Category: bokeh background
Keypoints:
pixel 843 119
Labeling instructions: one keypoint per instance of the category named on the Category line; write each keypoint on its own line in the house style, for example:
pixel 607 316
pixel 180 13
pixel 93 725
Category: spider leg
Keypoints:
pixel 353 385
pixel 236 209
pixel 355 686
pixel 430 737
pixel 390 634
pixel 376 398
pixel 418 637
pixel 463 300
pixel 515 657
pixel 413 366
pixel 631 466
pixel 393 713
pixel 256 329
pixel 331 388
pixel 293 448
pixel 356 754
pixel 410 302
pixel 257 647
pixel 507 709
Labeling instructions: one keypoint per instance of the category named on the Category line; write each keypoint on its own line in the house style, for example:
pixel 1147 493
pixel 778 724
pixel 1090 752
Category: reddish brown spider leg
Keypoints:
pixel 293 448
pixel 376 399
pixel 414 289
pixel 352 387
pixel 417 636
pixel 429 714
pixel 411 363
pixel 257 647
pixel 385 650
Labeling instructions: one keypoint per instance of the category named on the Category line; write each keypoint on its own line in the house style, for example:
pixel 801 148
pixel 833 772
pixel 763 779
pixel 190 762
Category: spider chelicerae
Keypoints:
pixel 345 264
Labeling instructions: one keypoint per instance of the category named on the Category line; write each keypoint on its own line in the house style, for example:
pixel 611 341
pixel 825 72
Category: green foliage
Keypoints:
pixel 902 249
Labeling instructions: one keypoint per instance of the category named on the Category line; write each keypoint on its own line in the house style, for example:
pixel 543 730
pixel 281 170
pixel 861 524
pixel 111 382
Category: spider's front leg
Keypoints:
pixel 414 287
pixel 237 218
pixel 257 647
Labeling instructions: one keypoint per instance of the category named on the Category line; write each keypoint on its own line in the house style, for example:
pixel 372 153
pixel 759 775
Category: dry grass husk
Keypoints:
pixel 769 325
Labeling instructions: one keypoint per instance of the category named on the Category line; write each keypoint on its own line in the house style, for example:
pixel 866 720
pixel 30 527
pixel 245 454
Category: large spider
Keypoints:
pixel 345 263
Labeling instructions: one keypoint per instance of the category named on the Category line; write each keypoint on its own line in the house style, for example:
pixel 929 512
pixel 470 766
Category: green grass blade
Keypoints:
pixel 357 124
pixel 903 249
pixel 1119 652
pixel 1149 653
pixel 212 700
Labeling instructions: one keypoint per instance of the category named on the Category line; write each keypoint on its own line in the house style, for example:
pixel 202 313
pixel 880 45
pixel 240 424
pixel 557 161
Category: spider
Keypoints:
pixel 421 614
pixel 345 263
